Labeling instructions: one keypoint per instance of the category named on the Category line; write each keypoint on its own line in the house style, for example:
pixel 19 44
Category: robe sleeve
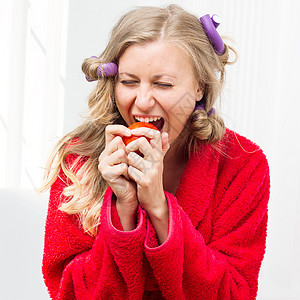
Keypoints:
pixel 77 266
pixel 186 266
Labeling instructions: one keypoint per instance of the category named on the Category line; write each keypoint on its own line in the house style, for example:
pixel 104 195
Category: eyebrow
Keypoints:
pixel 155 77
pixel 128 74
pixel 162 75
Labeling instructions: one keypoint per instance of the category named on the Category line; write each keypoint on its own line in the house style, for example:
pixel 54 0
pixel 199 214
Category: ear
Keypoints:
pixel 200 91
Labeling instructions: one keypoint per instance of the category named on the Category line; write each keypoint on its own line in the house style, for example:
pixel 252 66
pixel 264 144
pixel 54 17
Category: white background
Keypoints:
pixel 44 94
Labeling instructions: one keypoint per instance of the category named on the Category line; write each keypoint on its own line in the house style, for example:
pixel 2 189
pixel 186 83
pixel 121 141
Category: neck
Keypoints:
pixel 174 165
pixel 174 156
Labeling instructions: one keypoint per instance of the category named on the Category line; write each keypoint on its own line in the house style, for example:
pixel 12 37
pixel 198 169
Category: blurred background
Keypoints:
pixel 44 95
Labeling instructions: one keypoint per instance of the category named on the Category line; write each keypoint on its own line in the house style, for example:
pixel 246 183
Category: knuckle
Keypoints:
pixel 118 139
pixel 103 173
pixel 100 168
pixel 144 182
pixel 101 156
pixel 107 173
pixel 121 153
pixel 142 140
pixel 131 155
pixel 108 128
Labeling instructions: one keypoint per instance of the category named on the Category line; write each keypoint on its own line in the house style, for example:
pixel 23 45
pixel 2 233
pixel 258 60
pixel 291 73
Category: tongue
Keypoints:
pixel 158 123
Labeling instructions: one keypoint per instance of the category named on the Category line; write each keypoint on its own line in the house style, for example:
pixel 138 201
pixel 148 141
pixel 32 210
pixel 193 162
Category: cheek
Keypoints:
pixel 122 98
pixel 178 115
pixel 180 106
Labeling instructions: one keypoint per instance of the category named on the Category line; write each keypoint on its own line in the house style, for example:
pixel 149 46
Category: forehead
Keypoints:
pixel 157 56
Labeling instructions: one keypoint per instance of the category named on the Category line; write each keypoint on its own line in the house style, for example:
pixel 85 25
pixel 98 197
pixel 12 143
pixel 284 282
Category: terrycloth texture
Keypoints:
pixel 214 248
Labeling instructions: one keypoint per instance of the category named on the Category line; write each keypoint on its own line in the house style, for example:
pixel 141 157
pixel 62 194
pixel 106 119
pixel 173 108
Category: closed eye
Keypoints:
pixel 164 85
pixel 129 82
pixel 134 82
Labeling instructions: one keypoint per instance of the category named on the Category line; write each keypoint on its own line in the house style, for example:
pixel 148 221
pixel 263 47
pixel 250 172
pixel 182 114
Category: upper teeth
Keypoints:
pixel 151 119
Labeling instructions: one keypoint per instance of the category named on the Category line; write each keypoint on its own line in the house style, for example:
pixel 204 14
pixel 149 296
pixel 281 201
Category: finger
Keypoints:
pixel 112 173
pixel 141 144
pixel 161 143
pixel 117 157
pixel 116 144
pixel 165 142
pixel 154 137
pixel 156 142
pixel 134 174
pixel 145 131
pixel 125 173
pixel 136 161
pixel 111 131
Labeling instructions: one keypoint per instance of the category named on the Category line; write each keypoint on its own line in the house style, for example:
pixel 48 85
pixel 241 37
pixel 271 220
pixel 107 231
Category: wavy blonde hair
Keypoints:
pixel 139 26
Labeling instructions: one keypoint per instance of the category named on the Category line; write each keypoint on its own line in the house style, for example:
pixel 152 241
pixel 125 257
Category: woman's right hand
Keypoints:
pixel 113 165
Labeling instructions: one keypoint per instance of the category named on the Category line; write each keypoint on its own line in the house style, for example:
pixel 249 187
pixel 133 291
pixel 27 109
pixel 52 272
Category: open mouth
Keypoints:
pixel 158 122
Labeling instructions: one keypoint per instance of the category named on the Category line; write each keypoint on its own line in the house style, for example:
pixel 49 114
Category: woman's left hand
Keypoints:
pixel 147 172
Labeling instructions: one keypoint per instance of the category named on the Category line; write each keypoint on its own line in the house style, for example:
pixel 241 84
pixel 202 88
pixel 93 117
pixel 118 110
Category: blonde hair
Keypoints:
pixel 139 26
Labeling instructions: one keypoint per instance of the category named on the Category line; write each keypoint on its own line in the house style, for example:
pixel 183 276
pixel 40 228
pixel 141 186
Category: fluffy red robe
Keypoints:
pixel 215 244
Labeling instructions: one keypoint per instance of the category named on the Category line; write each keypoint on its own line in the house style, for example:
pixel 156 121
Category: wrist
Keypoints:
pixel 157 209
pixel 159 218
pixel 159 214
pixel 127 215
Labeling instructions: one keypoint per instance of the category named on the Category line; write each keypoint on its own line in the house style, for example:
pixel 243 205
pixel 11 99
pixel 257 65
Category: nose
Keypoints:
pixel 144 98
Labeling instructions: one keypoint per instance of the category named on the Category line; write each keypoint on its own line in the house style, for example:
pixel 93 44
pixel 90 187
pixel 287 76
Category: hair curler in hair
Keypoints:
pixel 202 107
pixel 210 25
pixel 104 69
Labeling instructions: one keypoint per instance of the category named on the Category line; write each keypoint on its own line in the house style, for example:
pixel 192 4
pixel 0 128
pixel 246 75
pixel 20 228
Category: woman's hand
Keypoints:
pixel 147 172
pixel 113 165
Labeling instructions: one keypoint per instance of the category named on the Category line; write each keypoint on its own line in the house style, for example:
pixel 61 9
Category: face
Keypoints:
pixel 156 84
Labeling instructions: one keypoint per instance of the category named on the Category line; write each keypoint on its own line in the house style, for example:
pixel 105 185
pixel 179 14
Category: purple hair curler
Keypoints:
pixel 210 25
pixel 202 107
pixel 106 69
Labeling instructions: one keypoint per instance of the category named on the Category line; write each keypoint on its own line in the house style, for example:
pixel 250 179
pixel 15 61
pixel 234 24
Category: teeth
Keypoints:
pixel 151 119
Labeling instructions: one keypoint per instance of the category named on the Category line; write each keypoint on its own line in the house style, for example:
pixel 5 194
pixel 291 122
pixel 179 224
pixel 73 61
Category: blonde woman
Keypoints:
pixel 184 217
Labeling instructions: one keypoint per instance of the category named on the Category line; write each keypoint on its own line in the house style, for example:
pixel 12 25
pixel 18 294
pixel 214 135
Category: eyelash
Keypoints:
pixel 163 85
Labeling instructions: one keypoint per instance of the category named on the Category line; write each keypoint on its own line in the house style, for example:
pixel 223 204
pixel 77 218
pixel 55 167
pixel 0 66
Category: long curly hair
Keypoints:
pixel 138 26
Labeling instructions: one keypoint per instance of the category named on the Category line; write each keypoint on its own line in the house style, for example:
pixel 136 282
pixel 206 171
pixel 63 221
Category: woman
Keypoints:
pixel 186 216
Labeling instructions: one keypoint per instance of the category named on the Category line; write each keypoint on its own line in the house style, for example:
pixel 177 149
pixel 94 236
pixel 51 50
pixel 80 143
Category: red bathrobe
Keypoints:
pixel 215 244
